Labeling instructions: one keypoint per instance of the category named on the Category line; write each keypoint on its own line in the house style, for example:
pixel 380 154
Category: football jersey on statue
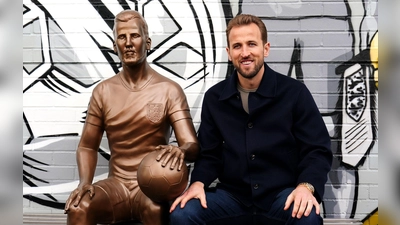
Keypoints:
pixel 135 122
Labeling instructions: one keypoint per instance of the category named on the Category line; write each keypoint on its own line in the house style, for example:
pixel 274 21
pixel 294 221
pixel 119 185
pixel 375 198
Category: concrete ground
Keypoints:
pixel 60 219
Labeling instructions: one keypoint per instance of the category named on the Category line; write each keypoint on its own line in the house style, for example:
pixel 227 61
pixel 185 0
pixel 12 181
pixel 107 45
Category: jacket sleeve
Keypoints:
pixel 208 166
pixel 314 143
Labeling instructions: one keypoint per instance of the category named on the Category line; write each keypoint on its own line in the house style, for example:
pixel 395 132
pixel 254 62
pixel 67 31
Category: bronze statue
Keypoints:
pixel 136 108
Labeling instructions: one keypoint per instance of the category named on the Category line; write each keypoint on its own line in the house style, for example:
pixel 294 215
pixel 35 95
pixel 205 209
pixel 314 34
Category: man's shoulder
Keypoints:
pixel 289 82
pixel 290 87
pixel 216 91
pixel 219 86
pixel 280 77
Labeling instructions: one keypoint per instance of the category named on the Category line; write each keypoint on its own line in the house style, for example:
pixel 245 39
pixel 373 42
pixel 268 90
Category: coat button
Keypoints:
pixel 250 125
pixel 253 157
pixel 256 186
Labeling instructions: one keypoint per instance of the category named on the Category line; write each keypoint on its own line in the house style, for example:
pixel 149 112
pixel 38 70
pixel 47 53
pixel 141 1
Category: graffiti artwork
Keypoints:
pixel 329 46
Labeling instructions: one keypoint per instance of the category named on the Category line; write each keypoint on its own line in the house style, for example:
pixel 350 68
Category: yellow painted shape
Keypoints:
pixel 374 57
pixel 373 220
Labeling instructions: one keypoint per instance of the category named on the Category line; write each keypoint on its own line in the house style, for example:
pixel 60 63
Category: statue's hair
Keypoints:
pixel 127 15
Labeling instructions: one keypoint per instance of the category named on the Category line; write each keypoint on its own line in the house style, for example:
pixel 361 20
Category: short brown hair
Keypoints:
pixel 246 19
pixel 126 15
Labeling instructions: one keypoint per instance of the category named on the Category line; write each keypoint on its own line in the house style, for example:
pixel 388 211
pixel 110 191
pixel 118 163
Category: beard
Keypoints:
pixel 248 74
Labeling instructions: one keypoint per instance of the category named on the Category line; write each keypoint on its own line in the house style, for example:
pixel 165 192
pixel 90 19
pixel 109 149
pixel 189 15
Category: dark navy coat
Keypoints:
pixel 282 142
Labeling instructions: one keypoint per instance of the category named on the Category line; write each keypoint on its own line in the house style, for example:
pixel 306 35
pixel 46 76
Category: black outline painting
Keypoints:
pixel 68 51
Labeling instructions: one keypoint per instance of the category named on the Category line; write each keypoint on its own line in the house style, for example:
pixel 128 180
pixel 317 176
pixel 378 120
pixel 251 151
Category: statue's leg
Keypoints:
pixel 90 211
pixel 148 211
pixel 109 204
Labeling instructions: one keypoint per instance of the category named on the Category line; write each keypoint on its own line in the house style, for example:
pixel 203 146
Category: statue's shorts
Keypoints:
pixel 121 196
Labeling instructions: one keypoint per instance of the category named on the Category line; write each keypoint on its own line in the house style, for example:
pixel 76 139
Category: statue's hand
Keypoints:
pixel 169 151
pixel 77 194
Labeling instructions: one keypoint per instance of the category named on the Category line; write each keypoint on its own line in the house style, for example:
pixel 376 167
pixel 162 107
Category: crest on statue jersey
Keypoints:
pixel 154 111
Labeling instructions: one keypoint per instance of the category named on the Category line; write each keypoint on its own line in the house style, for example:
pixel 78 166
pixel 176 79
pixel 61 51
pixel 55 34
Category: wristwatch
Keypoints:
pixel 308 186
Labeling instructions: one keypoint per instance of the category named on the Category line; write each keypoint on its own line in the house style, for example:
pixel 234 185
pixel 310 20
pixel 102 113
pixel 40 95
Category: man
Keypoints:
pixel 136 108
pixel 262 136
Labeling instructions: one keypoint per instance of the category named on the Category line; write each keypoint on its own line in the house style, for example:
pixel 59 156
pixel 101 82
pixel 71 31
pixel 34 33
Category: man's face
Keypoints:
pixel 130 42
pixel 246 50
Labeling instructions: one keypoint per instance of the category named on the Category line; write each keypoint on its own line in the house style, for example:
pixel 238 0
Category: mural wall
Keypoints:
pixel 330 46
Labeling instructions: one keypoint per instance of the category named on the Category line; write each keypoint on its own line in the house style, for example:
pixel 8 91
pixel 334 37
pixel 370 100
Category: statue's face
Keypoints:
pixel 130 42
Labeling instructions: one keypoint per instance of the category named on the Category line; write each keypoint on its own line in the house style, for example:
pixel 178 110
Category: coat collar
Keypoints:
pixel 267 86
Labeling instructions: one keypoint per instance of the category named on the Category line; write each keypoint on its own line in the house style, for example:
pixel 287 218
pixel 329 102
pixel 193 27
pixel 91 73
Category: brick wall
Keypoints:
pixel 67 50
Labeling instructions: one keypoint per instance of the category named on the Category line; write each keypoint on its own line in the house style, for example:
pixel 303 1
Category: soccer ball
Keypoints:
pixel 161 183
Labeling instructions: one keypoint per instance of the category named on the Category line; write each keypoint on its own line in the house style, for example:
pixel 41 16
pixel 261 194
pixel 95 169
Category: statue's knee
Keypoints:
pixel 155 212
pixel 79 211
pixel 152 210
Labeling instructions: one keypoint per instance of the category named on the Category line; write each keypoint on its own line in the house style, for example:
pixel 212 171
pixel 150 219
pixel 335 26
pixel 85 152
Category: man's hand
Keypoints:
pixel 196 190
pixel 169 151
pixel 303 201
pixel 77 194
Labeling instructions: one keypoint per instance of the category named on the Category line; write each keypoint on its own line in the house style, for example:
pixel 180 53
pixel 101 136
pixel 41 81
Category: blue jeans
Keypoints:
pixel 223 208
